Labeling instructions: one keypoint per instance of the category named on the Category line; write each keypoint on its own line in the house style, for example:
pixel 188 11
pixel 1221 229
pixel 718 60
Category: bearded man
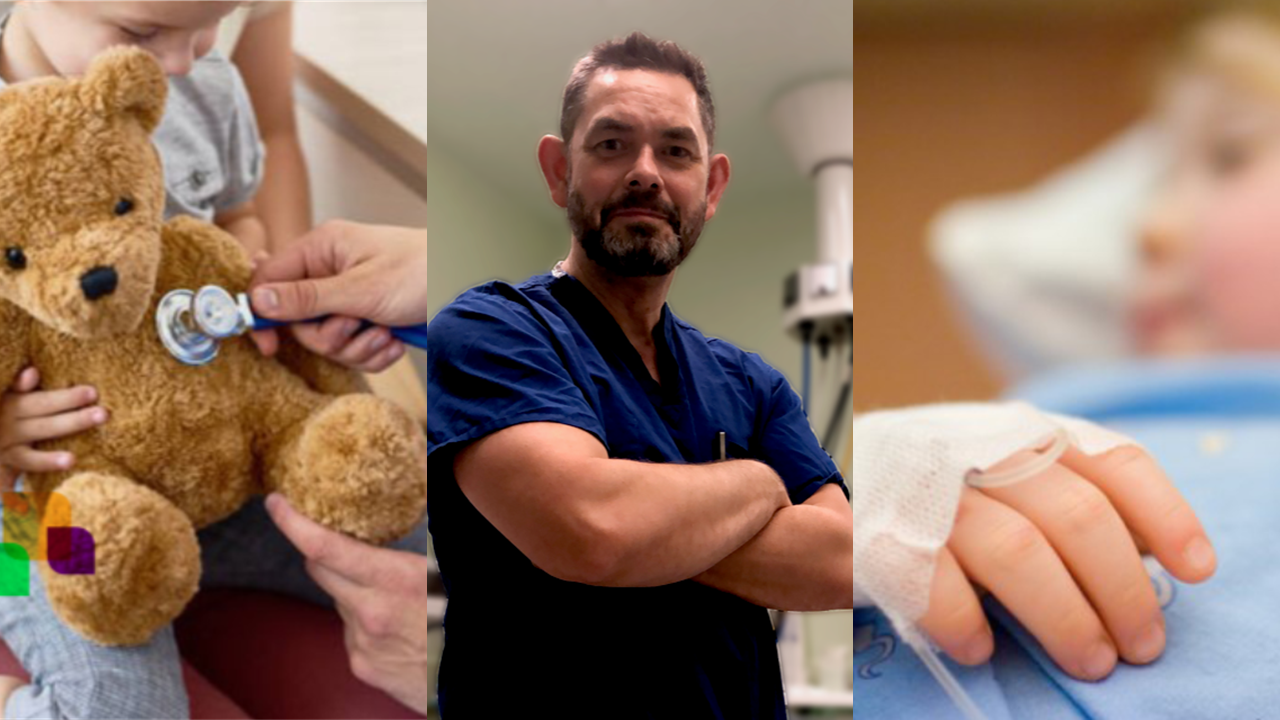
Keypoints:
pixel 615 497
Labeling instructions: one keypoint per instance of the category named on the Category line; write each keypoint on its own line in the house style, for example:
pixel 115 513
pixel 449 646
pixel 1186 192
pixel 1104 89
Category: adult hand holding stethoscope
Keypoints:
pixel 353 273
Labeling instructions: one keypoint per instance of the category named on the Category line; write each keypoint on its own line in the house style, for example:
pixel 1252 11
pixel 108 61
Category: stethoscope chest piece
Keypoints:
pixel 191 324
pixel 178 334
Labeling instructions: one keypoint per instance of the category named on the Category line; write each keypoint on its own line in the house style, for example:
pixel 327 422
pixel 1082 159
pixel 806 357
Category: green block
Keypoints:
pixel 15 571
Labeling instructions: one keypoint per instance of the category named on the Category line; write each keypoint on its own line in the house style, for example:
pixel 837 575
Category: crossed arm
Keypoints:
pixel 580 516
pixel 802 559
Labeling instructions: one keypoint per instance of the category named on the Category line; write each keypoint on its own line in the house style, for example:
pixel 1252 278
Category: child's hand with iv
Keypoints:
pixel 29 415
pixel 1061 552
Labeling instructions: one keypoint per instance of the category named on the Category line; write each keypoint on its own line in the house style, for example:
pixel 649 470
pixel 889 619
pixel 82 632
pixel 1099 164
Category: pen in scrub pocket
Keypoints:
pixel 720 450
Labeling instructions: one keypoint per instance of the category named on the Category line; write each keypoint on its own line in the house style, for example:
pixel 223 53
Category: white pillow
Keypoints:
pixel 1042 275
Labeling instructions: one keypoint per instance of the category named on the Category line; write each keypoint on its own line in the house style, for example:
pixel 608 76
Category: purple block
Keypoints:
pixel 71 551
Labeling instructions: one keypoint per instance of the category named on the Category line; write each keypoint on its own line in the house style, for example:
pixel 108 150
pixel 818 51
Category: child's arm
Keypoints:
pixel 264 56
pixel 8 684
pixel 28 416
pixel 244 224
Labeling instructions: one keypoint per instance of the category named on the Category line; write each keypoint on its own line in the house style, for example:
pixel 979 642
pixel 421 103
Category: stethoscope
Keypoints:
pixel 192 324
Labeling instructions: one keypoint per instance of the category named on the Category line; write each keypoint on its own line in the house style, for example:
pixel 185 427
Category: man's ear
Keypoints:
pixel 717 181
pixel 555 168
pixel 126 81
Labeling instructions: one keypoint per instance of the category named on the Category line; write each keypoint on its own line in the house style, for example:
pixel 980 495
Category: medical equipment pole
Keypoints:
pixel 815 122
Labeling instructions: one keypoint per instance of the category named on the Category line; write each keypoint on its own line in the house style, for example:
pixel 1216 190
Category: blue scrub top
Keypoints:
pixel 518 639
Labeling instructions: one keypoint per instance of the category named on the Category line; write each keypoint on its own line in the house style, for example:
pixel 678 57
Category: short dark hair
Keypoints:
pixel 636 51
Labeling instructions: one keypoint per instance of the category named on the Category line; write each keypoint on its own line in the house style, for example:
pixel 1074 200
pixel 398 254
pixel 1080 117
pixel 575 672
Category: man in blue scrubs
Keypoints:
pixel 601 559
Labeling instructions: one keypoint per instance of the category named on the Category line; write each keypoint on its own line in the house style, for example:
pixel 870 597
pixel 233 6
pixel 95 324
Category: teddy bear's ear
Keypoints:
pixel 126 81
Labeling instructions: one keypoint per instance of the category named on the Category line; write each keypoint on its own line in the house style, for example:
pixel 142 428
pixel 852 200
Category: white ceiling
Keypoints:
pixel 498 68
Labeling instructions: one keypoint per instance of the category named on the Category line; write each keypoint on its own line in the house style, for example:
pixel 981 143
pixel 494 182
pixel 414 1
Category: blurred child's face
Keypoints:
pixel 71 34
pixel 1211 242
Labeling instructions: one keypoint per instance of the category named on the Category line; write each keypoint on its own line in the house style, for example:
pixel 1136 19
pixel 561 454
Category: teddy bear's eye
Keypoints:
pixel 15 258
pixel 124 206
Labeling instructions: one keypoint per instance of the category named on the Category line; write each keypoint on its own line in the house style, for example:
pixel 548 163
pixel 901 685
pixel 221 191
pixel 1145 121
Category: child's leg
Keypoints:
pixel 247 550
pixel 72 677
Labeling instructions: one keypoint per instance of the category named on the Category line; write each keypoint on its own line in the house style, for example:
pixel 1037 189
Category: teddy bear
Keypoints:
pixel 86 257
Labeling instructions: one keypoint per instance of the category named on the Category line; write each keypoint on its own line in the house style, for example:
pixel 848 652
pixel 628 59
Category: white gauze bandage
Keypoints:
pixel 909 467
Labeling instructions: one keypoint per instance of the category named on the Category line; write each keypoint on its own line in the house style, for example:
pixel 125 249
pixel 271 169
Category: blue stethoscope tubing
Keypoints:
pixel 415 335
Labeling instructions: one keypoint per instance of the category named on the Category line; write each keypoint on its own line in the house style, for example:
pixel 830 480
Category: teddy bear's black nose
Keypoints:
pixel 98 282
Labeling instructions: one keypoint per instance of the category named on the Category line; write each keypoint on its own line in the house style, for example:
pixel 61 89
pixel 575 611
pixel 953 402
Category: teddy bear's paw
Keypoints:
pixel 359 466
pixel 145 561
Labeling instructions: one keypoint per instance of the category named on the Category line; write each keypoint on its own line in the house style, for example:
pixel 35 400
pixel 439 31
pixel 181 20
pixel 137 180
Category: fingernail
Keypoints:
pixel 379 342
pixel 65 460
pixel 1199 554
pixel 1100 661
pixel 98 415
pixel 264 298
pixel 350 327
pixel 1148 645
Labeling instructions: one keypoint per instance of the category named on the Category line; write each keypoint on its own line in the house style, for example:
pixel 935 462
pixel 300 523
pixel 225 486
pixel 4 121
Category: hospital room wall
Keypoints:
pixel 478 234
pixel 949 110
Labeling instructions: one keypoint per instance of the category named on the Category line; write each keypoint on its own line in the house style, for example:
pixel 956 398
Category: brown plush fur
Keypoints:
pixel 184 446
